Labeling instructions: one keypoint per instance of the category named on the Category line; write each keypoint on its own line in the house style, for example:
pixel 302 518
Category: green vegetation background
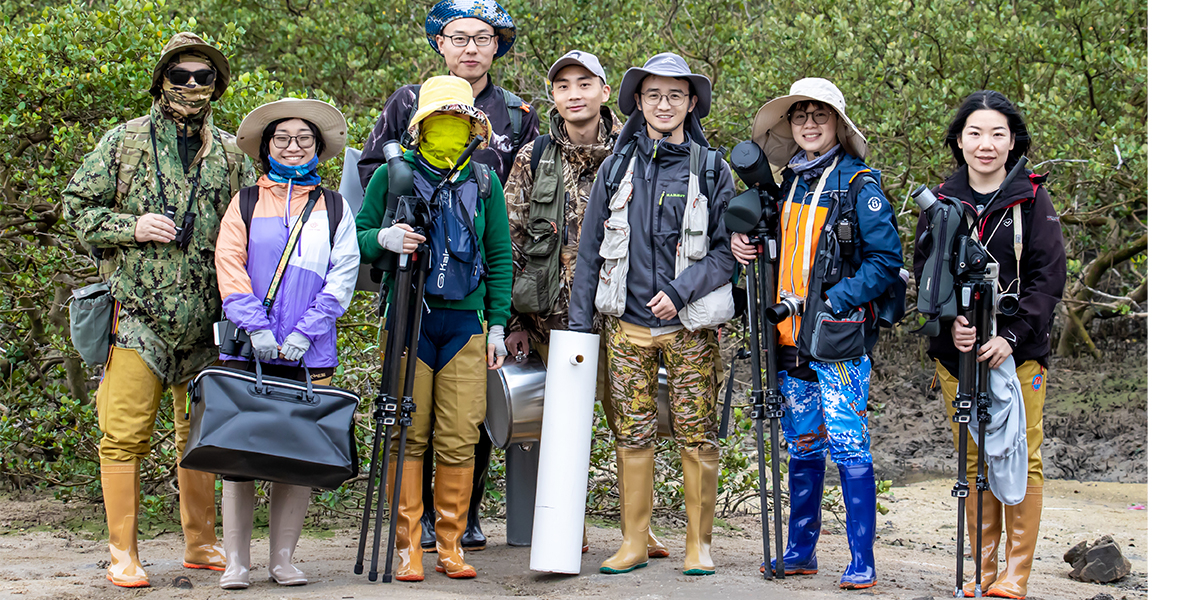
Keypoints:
pixel 69 72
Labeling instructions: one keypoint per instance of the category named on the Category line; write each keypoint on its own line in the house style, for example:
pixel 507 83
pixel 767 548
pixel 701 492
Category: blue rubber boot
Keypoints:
pixel 858 493
pixel 806 483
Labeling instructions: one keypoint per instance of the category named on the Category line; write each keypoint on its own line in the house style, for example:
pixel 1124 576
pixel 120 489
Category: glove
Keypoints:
pixel 496 337
pixel 294 346
pixel 392 239
pixel 263 342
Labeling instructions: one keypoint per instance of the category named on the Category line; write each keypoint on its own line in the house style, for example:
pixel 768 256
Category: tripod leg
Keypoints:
pixel 366 516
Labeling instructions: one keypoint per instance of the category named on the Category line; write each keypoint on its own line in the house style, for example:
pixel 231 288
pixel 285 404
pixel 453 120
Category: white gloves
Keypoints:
pixel 496 337
pixel 295 346
pixel 263 342
pixel 392 239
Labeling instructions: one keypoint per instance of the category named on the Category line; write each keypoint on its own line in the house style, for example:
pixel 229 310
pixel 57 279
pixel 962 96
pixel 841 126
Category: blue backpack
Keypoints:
pixel 457 263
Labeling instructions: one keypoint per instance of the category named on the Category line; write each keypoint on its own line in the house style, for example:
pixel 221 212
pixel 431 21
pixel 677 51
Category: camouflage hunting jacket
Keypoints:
pixel 579 165
pixel 168 297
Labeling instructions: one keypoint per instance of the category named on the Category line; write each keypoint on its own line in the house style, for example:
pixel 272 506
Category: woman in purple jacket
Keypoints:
pixel 288 138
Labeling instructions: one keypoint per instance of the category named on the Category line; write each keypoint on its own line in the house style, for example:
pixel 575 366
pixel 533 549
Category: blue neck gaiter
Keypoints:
pixel 305 174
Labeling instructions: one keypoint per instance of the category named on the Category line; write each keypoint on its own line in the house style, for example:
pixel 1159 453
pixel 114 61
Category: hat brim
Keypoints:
pixel 773 133
pixel 327 119
pixel 220 63
pixel 633 80
pixel 480 125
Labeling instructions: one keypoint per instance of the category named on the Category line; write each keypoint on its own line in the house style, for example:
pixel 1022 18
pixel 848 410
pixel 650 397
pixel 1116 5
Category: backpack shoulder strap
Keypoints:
pixel 516 108
pixel 333 208
pixel 134 146
pixel 616 170
pixel 483 179
pixel 234 158
pixel 539 146
pixel 405 141
pixel 708 181
pixel 247 200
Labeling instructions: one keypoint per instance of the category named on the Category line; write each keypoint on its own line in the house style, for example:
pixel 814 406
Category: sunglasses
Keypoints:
pixel 179 76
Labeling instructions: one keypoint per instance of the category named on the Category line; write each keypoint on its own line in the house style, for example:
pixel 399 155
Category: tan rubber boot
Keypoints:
pixel 654 547
pixel 635 480
pixel 289 504
pixel 122 493
pixel 990 545
pixel 1021 523
pixel 700 469
pixel 408 521
pixel 451 495
pixel 237 524
pixel 198 517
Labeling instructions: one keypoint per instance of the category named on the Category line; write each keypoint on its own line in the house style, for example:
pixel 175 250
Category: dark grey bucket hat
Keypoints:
pixel 667 64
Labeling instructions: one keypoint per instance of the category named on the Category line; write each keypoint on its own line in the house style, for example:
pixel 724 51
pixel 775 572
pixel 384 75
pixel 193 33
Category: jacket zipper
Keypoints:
pixel 654 221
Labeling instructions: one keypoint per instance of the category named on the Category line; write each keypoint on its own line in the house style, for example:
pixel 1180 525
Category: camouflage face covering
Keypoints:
pixel 187 105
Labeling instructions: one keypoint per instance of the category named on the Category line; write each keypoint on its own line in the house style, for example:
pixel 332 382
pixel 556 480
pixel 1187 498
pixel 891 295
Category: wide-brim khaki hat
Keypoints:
pixel 329 120
pixel 186 41
pixel 448 93
pixel 773 133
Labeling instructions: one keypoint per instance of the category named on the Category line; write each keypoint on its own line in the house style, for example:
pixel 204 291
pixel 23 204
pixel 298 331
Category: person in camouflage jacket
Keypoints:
pixel 148 201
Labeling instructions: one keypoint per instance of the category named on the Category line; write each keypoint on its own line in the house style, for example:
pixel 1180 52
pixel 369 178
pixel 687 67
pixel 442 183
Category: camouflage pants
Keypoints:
pixel 690 358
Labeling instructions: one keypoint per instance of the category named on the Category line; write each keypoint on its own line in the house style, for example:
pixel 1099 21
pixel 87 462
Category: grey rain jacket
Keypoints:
pixel 659 187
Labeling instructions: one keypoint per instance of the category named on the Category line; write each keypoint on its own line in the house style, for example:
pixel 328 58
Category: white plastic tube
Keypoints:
pixel 565 452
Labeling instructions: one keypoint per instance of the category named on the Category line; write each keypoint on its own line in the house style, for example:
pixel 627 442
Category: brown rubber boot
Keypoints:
pixel 451 495
pixel 408 520
pixel 198 517
pixel 1021 524
pixel 991 540
pixel 700 468
pixel 635 480
pixel 655 548
pixel 122 493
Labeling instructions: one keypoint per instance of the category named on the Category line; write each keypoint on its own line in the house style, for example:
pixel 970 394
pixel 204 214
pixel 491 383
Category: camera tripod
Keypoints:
pixel 407 292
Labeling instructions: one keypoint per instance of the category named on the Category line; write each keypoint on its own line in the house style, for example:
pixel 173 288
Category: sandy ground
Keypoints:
pixel 914 554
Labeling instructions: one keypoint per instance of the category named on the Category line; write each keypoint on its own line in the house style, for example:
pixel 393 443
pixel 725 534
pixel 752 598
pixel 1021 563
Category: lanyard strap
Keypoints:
pixel 195 179
pixel 273 289
pixel 805 250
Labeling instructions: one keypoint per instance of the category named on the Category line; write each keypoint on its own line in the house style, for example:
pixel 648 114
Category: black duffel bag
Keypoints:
pixel 252 426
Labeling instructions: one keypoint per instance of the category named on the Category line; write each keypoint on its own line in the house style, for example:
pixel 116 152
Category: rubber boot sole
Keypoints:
pixel 463 574
pixel 612 571
pixel 787 571
pixel 699 572
pixel 659 554
pixel 135 584
pixel 994 593
pixel 856 586
pixel 200 566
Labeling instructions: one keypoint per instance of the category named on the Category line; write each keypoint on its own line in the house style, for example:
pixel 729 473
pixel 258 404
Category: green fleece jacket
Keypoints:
pixel 493 297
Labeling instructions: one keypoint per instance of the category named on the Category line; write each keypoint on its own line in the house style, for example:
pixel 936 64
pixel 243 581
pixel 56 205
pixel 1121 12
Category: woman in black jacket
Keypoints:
pixel 987 136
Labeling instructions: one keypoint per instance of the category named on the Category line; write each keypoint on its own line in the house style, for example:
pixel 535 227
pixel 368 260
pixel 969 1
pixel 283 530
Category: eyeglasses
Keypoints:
pixel 179 76
pixel 820 117
pixel 305 141
pixel 674 98
pixel 482 40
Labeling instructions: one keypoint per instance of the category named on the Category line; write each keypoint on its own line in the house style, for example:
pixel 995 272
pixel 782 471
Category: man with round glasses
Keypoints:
pixel 147 201
pixel 469 34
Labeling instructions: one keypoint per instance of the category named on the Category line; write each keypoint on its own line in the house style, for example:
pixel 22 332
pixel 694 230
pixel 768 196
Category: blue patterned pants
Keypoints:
pixel 829 413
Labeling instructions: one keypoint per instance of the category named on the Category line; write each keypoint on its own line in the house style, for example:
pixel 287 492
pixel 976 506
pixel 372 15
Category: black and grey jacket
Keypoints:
pixel 660 179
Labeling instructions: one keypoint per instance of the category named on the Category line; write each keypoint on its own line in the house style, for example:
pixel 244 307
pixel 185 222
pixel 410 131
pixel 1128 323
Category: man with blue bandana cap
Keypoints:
pixel 469 34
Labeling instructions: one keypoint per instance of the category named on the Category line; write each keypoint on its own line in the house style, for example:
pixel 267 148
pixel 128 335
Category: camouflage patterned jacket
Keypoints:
pixel 168 297
pixel 579 172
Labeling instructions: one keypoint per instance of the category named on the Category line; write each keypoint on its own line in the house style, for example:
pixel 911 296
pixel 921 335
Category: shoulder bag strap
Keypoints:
pixel 273 289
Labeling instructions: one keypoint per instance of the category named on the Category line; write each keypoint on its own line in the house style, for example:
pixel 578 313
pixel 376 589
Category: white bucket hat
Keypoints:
pixel 773 133
pixel 329 121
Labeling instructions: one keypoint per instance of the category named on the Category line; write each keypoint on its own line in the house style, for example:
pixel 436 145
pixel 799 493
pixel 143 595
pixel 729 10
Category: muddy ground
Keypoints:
pixel 1095 462
pixel 914 554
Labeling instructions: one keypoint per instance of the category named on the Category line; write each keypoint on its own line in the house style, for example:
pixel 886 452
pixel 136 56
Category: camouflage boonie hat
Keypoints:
pixel 186 40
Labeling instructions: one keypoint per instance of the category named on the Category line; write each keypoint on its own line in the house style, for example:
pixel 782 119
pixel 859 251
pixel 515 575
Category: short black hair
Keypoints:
pixel 989 100
pixel 264 145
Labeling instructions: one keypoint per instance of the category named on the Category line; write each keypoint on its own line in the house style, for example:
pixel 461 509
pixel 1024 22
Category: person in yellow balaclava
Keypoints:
pixel 468 294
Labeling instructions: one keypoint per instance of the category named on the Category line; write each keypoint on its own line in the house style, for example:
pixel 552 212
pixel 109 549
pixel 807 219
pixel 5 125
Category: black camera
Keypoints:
pixel 746 209
pixel 232 340
pixel 789 306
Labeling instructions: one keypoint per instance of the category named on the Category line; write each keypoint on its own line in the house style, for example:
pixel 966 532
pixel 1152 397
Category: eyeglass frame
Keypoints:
pixel 645 98
pixel 491 37
pixel 192 76
pixel 277 136
pixel 791 116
